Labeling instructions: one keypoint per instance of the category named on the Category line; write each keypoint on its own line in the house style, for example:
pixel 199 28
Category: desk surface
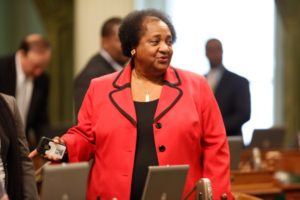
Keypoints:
pixel 264 183
pixel 260 184
pixel 242 196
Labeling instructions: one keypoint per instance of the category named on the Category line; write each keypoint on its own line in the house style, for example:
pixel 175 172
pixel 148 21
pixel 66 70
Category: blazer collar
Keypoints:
pixel 122 99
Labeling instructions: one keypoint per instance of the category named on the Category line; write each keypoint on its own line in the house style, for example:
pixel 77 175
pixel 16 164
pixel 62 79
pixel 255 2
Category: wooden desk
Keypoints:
pixel 263 183
pixel 291 191
pixel 274 160
pixel 242 196
pixel 259 184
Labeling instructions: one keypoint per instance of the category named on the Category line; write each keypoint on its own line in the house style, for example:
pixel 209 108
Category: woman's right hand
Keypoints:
pixel 56 140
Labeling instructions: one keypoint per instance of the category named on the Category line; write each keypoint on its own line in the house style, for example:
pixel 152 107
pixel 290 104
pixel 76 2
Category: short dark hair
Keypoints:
pixel 213 40
pixel 131 28
pixel 107 27
pixel 39 44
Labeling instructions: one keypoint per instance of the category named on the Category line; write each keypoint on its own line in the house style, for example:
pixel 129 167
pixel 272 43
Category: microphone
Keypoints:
pixel 256 158
pixel 39 170
pixel 203 190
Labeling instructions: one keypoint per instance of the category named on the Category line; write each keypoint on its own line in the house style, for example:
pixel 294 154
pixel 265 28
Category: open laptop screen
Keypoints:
pixel 268 138
pixel 236 146
pixel 165 182
pixel 65 181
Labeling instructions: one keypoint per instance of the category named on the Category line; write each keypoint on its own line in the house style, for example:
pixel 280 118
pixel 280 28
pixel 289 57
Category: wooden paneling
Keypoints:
pixel 58 17
pixel 290 15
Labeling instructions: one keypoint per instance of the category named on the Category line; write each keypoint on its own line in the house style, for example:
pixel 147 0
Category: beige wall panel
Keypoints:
pixel 89 16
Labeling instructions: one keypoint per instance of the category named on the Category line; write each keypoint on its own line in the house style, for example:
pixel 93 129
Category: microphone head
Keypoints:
pixel 204 190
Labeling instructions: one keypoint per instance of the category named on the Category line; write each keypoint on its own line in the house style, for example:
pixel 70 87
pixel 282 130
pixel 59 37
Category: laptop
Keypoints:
pixel 165 182
pixel 65 181
pixel 268 138
pixel 236 146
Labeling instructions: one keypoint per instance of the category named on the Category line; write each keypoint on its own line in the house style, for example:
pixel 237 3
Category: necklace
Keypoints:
pixel 147 91
pixel 147 96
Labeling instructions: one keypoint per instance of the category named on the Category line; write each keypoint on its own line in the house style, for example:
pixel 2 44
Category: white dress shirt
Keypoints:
pixel 214 76
pixel 2 173
pixel 24 89
pixel 110 60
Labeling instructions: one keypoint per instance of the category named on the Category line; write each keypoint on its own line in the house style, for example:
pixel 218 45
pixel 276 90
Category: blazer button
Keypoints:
pixel 161 148
pixel 158 125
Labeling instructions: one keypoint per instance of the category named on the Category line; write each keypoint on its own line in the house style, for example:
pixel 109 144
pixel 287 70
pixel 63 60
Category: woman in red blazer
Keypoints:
pixel 148 114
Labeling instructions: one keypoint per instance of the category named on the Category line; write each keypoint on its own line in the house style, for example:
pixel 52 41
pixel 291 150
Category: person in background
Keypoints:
pixel 109 59
pixel 148 114
pixel 22 76
pixel 231 90
pixel 16 169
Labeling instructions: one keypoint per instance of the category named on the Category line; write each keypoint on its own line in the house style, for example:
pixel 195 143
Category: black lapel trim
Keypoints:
pixel 172 85
pixel 177 77
pixel 126 85
pixel 172 104
pixel 123 112
pixel 119 88
pixel 117 78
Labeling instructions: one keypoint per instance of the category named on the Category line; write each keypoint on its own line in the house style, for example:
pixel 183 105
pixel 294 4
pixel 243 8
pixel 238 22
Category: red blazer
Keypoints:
pixel 188 129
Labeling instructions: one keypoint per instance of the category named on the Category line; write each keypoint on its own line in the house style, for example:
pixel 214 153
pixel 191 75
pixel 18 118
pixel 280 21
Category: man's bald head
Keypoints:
pixel 35 54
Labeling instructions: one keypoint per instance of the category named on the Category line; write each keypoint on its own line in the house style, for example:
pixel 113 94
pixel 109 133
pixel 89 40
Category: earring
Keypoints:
pixel 132 52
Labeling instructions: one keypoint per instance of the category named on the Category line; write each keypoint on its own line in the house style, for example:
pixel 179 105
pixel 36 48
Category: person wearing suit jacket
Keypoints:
pixel 231 90
pixel 108 60
pixel 22 76
pixel 16 169
pixel 150 113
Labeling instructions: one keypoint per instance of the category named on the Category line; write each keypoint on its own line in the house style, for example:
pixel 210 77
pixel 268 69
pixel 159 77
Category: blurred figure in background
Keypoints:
pixel 16 169
pixel 231 90
pixel 22 76
pixel 108 60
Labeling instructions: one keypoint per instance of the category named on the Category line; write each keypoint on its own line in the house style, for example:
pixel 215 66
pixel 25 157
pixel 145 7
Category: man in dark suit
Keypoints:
pixel 231 90
pixel 22 76
pixel 108 60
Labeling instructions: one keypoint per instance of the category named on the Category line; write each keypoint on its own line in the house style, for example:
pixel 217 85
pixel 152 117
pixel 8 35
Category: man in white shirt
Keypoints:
pixel 22 76
pixel 109 59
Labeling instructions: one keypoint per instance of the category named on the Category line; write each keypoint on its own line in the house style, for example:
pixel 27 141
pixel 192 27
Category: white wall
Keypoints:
pixel 89 16
pixel 246 29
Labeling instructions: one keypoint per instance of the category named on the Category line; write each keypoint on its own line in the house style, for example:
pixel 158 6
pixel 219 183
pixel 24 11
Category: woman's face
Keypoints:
pixel 154 51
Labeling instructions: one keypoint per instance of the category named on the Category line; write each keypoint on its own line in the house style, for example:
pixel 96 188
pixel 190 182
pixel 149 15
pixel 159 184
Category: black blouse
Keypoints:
pixel 145 154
